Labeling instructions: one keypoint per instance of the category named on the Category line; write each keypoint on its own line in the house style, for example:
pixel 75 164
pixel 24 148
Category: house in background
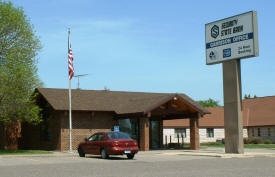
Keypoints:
pixel 258 121
pixel 259 115
pixel 211 128
pixel 139 114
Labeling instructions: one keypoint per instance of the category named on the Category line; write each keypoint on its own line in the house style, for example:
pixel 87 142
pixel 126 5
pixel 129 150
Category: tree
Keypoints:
pixel 209 103
pixel 106 88
pixel 18 71
pixel 247 96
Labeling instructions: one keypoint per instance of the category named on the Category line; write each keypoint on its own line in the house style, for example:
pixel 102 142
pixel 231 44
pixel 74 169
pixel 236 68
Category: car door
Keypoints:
pixel 98 144
pixel 90 144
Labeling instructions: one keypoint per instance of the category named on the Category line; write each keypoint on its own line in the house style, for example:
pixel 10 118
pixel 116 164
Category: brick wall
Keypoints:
pixel 84 124
pixel 32 137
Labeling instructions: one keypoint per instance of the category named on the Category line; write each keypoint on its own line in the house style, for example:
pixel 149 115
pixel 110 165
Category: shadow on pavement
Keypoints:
pixel 110 157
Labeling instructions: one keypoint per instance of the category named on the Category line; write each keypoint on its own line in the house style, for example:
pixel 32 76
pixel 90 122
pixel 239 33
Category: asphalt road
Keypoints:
pixel 144 165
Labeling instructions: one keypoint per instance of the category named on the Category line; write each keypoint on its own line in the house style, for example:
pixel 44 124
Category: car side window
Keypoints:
pixel 93 138
pixel 100 137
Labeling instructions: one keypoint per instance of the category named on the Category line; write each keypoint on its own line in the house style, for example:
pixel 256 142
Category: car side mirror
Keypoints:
pixel 86 139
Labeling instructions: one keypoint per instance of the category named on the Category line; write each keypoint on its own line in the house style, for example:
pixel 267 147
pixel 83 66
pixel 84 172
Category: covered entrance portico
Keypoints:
pixel 147 126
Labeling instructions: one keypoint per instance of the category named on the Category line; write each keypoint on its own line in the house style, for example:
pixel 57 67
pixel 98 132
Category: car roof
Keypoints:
pixel 113 132
pixel 108 132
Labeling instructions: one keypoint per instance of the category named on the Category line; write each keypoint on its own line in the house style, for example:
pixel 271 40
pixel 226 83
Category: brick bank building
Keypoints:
pixel 139 114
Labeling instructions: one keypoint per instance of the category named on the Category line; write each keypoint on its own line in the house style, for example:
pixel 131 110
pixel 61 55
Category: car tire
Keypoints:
pixel 80 152
pixel 104 154
pixel 130 156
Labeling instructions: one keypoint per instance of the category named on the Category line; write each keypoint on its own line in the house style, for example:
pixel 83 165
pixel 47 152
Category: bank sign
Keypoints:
pixel 232 38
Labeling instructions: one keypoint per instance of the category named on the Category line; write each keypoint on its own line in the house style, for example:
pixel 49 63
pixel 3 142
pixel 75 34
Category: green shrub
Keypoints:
pixel 175 145
pixel 211 143
pixel 253 140
pixel 246 140
pixel 267 142
pixel 257 141
pixel 250 140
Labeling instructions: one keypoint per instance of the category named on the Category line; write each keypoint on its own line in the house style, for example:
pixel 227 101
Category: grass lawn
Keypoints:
pixel 268 146
pixel 249 146
pixel 15 152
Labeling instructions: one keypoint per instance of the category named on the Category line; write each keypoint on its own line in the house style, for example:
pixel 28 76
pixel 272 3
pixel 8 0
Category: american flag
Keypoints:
pixel 71 66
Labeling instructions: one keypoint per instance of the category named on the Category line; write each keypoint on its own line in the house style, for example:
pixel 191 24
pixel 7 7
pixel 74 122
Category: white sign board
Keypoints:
pixel 232 38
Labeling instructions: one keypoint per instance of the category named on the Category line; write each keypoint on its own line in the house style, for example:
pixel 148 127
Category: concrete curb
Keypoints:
pixel 210 153
pixel 245 155
pixel 54 154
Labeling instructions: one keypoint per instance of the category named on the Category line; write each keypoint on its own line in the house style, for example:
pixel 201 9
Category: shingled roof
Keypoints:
pixel 116 101
pixel 256 112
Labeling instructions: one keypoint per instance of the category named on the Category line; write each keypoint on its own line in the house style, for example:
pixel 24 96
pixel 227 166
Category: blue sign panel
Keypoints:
pixel 116 128
pixel 226 52
pixel 230 40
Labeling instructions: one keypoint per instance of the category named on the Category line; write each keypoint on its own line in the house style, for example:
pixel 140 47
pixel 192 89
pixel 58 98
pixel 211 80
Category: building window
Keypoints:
pixel 253 134
pixel 180 132
pixel 210 132
pixel 268 132
pixel 45 130
pixel 129 126
pixel 259 131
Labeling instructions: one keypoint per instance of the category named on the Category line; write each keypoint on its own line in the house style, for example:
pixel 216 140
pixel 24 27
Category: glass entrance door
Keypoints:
pixel 154 134
pixel 129 126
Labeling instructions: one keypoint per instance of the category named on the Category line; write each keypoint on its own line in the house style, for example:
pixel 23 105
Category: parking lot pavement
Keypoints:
pixel 145 165
pixel 141 157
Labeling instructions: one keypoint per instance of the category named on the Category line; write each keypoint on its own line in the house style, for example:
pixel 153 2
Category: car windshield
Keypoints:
pixel 118 135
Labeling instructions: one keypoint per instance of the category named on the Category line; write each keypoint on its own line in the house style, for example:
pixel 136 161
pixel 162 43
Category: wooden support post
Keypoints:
pixel 161 134
pixel 144 134
pixel 194 134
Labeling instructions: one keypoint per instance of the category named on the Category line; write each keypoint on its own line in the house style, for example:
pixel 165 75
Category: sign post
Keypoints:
pixel 232 94
pixel 228 41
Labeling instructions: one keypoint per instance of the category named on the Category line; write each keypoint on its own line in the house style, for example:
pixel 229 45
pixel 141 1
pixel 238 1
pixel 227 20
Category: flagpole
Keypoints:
pixel 70 98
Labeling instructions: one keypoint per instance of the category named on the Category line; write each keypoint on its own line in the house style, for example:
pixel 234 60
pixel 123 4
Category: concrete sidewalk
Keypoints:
pixel 204 151
pixel 215 152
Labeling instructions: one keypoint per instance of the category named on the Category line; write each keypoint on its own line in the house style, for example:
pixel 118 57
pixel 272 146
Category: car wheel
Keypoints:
pixel 130 156
pixel 80 152
pixel 104 154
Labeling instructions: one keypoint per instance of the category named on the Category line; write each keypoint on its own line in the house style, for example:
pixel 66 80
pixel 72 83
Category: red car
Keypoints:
pixel 108 143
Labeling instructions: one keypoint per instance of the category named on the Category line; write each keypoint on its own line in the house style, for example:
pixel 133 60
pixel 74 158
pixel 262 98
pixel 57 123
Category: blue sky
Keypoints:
pixel 146 45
